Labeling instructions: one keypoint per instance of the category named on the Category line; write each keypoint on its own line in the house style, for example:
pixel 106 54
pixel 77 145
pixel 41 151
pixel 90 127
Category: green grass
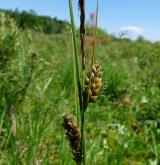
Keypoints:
pixel 122 128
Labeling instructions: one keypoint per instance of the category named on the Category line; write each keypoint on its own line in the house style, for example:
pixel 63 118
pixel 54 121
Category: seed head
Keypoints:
pixel 94 86
pixel 73 135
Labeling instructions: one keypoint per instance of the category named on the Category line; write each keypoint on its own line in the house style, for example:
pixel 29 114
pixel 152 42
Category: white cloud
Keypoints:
pixel 132 29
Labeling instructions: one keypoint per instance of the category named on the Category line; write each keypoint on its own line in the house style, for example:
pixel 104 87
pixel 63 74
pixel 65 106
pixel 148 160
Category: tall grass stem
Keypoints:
pixel 83 153
pixel 76 63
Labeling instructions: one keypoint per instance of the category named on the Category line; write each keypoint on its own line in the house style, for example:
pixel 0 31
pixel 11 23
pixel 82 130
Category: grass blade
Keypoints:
pixel 76 63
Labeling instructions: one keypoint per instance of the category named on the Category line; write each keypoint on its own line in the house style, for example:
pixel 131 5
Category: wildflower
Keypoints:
pixel 144 100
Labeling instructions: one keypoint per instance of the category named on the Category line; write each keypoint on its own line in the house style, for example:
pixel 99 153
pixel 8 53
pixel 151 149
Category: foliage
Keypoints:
pixel 127 117
pixel 30 20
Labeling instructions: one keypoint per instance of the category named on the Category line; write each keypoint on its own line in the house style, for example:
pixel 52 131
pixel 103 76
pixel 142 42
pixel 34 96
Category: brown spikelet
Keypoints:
pixel 95 83
pixel 73 135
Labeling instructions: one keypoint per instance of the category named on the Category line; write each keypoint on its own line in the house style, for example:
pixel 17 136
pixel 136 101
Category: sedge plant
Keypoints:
pixel 87 86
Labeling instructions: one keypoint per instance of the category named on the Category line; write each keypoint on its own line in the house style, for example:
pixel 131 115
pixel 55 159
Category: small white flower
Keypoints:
pixel 153 162
pixel 125 145
pixel 144 100
pixel 121 129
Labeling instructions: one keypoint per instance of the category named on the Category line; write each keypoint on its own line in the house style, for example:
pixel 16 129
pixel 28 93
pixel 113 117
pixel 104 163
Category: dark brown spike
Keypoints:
pixel 73 135
pixel 82 32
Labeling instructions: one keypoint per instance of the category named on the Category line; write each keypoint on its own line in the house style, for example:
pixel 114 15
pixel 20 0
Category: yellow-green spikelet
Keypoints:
pixel 95 83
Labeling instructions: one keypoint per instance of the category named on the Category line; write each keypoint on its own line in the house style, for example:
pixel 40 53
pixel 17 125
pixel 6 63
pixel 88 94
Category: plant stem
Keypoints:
pixel 83 154
pixel 76 95
pixel 82 32
pixel 154 145
pixel 94 41
pixel 93 50
pixel 82 37
pixel 76 64
pixel 84 101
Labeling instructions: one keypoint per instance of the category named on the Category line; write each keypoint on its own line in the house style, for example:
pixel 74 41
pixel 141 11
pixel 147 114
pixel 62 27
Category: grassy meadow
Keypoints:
pixel 37 89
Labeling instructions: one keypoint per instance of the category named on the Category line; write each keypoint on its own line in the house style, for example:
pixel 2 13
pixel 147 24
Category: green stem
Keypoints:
pixel 75 55
pixel 154 144
pixel 83 153
pixel 76 96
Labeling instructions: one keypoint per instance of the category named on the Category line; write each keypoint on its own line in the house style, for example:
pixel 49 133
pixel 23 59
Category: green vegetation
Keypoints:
pixel 37 89
pixel 30 20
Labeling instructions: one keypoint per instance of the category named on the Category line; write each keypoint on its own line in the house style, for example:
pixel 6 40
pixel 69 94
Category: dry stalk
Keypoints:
pixel 82 32
pixel 84 100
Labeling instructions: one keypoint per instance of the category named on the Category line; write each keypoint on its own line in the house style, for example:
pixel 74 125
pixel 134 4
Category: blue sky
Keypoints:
pixel 138 17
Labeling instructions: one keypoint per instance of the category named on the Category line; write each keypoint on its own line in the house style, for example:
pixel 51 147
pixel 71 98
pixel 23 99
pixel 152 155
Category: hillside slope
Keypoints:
pixel 123 127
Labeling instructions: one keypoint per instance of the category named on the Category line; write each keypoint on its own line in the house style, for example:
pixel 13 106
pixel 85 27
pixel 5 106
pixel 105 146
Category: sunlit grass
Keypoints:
pixel 122 128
